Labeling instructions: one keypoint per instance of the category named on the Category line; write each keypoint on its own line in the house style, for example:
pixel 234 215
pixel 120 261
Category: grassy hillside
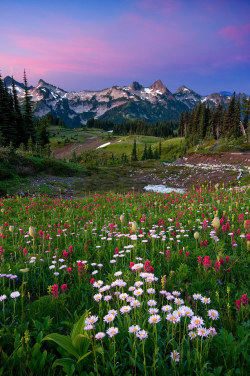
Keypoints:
pixel 16 169
pixel 171 148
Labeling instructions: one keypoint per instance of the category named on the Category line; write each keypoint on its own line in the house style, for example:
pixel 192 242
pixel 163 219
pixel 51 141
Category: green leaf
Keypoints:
pixel 79 326
pixel 81 343
pixel 84 356
pixel 67 364
pixel 64 341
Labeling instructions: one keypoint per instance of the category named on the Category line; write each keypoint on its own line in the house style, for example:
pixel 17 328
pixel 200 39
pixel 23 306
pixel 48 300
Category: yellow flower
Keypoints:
pixel 50 289
pixel 163 281
pixel 26 337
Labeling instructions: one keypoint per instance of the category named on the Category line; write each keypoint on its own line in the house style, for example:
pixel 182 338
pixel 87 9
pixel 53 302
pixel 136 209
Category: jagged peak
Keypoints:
pixel 183 88
pixel 158 85
pixel 43 83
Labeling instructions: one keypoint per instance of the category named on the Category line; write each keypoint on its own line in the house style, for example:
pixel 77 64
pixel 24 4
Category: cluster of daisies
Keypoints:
pixel 13 295
pixel 130 300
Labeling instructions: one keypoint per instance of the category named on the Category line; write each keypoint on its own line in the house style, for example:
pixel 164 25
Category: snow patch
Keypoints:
pixel 160 188
pixel 103 145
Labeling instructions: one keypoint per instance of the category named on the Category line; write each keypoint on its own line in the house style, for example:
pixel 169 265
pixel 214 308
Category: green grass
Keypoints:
pixel 16 169
pixel 171 148
pixel 61 136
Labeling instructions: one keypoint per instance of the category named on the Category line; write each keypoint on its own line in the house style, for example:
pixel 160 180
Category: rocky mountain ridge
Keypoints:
pixel 153 103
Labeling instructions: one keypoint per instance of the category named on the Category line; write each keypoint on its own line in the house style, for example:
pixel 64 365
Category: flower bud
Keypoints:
pixel 32 231
pixel 11 228
pixel 122 218
pixel 216 222
pixel 134 226
pixel 196 235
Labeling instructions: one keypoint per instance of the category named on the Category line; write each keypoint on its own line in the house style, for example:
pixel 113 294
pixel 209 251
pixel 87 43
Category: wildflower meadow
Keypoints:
pixel 130 284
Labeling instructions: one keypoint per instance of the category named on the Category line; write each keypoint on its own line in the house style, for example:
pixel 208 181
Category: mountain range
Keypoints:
pixel 153 103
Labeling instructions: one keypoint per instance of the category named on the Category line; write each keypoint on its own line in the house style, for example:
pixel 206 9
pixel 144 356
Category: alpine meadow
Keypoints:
pixel 124 193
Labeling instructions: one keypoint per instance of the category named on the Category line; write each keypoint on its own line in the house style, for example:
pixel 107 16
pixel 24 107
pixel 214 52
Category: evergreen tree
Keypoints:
pixel 181 126
pixel 150 153
pixel 134 154
pixel 27 116
pixel 6 115
pixel 228 126
pixel 236 129
pixel 18 119
pixel 145 153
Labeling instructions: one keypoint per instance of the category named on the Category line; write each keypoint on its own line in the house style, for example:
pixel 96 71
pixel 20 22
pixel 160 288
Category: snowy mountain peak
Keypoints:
pixel 183 89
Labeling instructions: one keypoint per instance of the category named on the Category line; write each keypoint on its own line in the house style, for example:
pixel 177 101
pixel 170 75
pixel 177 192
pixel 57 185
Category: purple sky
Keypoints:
pixel 83 44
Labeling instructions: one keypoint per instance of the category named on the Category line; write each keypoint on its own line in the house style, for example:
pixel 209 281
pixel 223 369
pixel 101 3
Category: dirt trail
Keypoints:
pixel 234 158
pixel 78 147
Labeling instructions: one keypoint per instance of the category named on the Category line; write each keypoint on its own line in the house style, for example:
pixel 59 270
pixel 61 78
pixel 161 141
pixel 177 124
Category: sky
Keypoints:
pixel 95 44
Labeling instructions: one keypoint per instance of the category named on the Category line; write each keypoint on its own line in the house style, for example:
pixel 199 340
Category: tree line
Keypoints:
pixel 162 129
pixel 205 122
pixel 18 127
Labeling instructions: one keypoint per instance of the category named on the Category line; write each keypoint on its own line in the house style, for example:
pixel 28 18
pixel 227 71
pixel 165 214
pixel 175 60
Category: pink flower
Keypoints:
pixel 70 249
pixel 92 281
pixel 187 254
pixel 64 287
pixel 65 254
pixel 69 270
pixel 238 304
pixel 199 259
pixel 55 291
pixel 116 251
pixel 207 262
pixel 222 261
pixel 217 266
pixel 131 265
pixel 227 258
pixel 25 251
pixel 244 299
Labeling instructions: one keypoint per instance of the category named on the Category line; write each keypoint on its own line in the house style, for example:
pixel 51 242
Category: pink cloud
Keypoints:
pixel 237 34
